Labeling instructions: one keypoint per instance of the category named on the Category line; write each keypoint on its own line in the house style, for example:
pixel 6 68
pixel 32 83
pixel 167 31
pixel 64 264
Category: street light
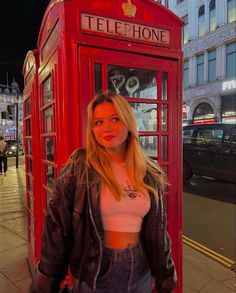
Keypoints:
pixel 15 91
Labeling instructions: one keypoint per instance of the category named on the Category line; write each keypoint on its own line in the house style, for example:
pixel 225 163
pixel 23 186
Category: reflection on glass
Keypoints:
pixel 49 176
pixel 48 196
pixel 164 113
pixel 47 91
pixel 28 128
pixel 29 146
pixel 149 145
pixel 48 120
pixel 132 82
pixel 29 165
pixel 164 85
pixel 97 77
pixel 164 149
pixel 49 148
pixel 146 116
pixel 27 107
pixel 29 183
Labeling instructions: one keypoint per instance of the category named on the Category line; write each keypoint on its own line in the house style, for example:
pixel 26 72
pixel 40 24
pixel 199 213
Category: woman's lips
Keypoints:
pixel 108 137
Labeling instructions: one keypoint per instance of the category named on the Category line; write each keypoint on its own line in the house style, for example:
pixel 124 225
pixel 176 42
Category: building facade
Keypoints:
pixel 209 39
pixel 10 97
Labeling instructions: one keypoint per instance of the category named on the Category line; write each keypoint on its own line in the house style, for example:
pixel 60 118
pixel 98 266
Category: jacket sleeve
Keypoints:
pixel 57 236
pixel 168 278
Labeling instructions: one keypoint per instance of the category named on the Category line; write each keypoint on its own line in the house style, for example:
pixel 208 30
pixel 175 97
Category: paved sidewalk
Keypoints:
pixel 201 274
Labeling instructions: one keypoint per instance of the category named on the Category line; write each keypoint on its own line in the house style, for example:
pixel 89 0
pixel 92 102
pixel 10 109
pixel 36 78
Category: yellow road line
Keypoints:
pixel 220 258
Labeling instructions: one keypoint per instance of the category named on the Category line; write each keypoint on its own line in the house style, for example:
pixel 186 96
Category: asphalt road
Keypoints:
pixel 210 214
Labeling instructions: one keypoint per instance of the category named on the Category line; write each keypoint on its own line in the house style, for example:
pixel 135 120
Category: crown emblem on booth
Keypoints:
pixel 129 9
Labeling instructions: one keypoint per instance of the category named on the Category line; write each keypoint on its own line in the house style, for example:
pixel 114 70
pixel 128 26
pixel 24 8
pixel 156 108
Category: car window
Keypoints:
pixel 187 135
pixel 209 136
pixel 233 137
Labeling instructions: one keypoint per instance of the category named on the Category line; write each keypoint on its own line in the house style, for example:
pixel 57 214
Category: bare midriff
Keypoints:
pixel 120 240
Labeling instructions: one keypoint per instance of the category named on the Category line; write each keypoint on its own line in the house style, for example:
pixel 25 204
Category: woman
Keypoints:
pixel 106 219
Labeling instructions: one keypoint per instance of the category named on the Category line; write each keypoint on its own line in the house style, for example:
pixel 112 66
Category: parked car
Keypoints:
pixel 12 147
pixel 210 150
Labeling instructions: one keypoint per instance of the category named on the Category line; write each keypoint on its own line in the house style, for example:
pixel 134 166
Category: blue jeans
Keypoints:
pixel 122 271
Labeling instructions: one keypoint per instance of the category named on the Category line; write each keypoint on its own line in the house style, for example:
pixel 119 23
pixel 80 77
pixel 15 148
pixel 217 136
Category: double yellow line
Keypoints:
pixel 211 253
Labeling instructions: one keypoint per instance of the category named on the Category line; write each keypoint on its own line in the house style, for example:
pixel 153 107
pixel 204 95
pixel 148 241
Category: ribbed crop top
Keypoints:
pixel 127 214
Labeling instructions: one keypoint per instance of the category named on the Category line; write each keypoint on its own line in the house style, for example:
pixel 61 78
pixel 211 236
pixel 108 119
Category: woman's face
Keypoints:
pixel 108 130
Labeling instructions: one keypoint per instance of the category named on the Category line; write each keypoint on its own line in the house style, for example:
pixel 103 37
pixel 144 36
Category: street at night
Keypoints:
pixel 209 214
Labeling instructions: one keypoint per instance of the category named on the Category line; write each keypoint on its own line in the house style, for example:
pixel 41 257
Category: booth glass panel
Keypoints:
pixel 49 176
pixel 28 127
pixel 164 85
pixel 132 82
pixel 29 183
pixel 146 116
pixel 164 149
pixel 49 148
pixel 27 107
pixel 97 77
pixel 29 165
pixel 48 120
pixel 149 145
pixel 47 91
pixel 29 146
pixel 164 116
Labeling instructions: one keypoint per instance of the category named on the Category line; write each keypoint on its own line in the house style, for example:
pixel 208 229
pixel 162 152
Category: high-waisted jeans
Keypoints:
pixel 123 271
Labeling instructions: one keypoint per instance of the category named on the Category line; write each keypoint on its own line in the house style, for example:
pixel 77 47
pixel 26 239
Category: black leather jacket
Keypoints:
pixel 74 236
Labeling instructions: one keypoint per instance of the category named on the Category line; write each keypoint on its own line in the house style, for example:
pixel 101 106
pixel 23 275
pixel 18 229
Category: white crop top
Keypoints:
pixel 127 214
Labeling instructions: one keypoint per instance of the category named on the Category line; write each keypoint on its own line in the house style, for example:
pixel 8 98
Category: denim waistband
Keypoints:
pixel 130 251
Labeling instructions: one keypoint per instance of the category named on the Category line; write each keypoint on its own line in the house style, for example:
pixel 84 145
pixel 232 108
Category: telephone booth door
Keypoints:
pixel 150 85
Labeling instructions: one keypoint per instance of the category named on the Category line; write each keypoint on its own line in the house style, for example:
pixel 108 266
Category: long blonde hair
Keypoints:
pixel 138 164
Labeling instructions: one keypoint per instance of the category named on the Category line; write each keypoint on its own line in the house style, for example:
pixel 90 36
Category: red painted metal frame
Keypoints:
pixel 68 53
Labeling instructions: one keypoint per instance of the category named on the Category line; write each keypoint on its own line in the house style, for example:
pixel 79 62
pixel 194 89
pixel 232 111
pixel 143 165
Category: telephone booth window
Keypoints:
pixel 97 77
pixel 48 120
pixel 149 145
pixel 29 146
pixel 48 138
pixel 28 127
pixel 146 116
pixel 29 167
pixel 164 85
pixel 47 91
pixel 49 148
pixel 49 176
pixel 132 82
pixel 164 120
pixel 164 144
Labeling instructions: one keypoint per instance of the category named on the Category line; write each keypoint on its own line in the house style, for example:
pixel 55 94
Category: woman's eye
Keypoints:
pixel 115 119
pixel 98 122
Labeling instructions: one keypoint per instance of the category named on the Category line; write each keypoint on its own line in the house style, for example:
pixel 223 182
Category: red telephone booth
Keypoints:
pixel 133 48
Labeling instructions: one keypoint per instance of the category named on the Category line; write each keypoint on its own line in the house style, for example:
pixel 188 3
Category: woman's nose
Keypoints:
pixel 107 126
